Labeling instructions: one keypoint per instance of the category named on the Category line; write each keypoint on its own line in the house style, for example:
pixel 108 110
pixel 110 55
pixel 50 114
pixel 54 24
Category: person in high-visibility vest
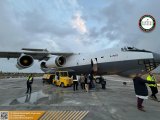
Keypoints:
pixel 29 83
pixel 153 87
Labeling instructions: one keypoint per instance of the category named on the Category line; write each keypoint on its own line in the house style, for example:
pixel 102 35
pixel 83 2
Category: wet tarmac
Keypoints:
pixel 116 102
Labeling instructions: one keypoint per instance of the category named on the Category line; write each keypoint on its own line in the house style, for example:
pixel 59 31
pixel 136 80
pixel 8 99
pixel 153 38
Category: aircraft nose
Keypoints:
pixel 156 57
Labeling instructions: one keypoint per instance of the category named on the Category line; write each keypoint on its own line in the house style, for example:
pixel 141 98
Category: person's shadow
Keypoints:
pixel 28 97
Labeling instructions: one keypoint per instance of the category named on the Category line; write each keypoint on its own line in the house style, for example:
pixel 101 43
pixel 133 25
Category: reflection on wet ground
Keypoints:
pixel 38 98
pixel 116 102
pixel 51 95
pixel 55 97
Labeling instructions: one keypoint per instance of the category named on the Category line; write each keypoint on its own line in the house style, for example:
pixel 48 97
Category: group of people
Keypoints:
pixel 86 82
pixel 142 91
pixel 140 87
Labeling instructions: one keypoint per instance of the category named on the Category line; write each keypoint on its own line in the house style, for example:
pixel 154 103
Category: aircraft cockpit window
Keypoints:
pixel 130 48
pixel 133 49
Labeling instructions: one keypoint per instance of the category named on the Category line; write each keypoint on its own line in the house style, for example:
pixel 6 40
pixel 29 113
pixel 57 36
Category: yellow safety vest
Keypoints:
pixel 151 78
pixel 29 78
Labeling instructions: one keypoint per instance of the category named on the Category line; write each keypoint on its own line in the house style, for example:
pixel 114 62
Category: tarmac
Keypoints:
pixel 116 102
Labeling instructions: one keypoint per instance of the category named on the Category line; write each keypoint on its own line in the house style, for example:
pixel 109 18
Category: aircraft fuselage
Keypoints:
pixel 126 63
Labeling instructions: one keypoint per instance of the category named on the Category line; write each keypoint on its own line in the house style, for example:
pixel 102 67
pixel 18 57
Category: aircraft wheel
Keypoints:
pixel 98 80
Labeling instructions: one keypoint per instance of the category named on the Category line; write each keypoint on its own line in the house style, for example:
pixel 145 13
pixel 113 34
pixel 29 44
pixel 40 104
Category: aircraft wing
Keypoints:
pixel 38 55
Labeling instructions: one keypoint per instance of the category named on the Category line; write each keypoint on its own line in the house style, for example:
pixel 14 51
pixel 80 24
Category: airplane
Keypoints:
pixel 126 61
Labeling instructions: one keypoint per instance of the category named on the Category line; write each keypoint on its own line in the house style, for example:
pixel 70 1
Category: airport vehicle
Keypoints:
pixel 48 78
pixel 62 79
pixel 125 61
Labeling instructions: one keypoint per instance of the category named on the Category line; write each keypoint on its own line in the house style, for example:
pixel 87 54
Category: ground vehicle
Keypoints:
pixel 62 79
pixel 48 78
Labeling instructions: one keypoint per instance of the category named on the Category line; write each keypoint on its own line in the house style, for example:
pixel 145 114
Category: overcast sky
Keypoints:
pixel 75 26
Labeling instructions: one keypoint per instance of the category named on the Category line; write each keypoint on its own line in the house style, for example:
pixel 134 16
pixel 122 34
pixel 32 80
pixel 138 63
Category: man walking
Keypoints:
pixel 141 90
pixel 29 83
pixel 87 82
pixel 82 81
pixel 153 87
pixel 75 82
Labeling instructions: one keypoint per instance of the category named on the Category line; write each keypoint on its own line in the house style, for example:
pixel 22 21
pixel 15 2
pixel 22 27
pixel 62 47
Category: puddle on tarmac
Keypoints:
pixel 38 98
pixel 43 98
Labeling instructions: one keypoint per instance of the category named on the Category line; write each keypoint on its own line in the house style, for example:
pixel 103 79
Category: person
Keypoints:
pixel 140 90
pixel 94 82
pixel 87 82
pixel 81 80
pixel 101 78
pixel 153 87
pixel 29 83
pixel 91 84
pixel 75 82
pixel 103 83
pixel 57 76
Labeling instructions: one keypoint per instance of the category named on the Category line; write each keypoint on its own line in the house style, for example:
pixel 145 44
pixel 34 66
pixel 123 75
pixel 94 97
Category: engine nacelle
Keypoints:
pixel 24 61
pixel 58 61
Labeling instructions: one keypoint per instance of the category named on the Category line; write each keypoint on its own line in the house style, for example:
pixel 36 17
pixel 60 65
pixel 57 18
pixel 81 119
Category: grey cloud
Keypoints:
pixel 121 18
pixel 10 34
pixel 118 21
pixel 94 33
pixel 37 23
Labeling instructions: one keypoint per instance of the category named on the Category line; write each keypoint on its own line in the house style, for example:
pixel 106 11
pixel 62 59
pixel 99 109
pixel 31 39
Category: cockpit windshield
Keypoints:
pixel 133 49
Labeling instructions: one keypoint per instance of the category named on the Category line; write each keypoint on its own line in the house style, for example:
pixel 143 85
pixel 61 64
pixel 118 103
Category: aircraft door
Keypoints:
pixel 94 65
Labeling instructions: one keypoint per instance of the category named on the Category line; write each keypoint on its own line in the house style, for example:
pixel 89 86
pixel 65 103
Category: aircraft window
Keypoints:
pixel 77 63
pixel 83 59
pixel 102 57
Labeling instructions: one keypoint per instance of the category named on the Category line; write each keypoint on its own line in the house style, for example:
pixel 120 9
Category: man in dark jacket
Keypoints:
pixel 86 81
pixel 140 90
pixel 75 82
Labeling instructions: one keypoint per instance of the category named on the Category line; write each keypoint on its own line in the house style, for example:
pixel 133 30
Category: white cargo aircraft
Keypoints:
pixel 126 61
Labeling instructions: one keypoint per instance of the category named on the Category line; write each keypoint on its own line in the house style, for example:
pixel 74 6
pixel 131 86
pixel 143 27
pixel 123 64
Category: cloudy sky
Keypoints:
pixel 75 26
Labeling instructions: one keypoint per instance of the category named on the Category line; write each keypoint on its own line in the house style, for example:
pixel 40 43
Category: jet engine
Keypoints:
pixel 24 61
pixel 56 61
